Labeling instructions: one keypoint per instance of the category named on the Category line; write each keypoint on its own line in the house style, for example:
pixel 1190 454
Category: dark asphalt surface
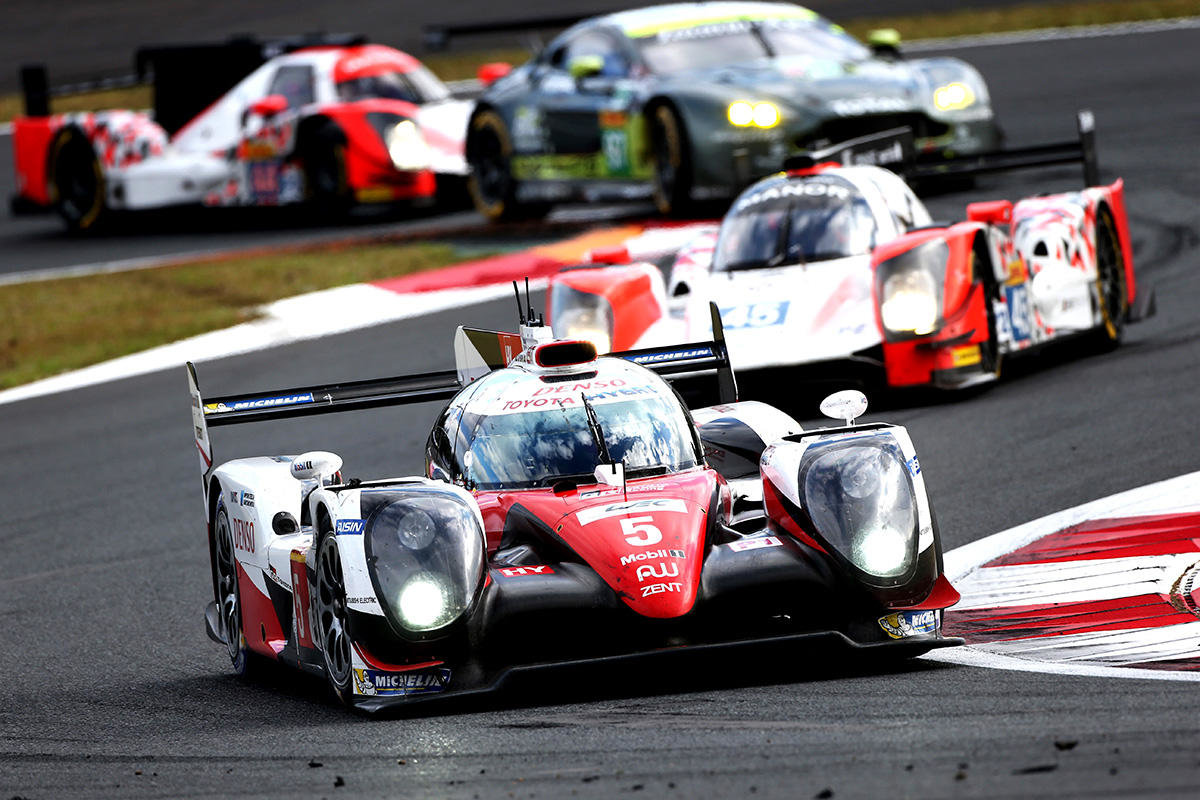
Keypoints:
pixel 111 688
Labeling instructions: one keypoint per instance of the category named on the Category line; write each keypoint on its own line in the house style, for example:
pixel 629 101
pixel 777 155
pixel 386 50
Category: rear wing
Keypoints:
pixel 895 150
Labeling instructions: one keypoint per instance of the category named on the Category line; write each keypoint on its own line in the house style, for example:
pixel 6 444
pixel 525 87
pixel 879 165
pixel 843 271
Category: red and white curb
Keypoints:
pixel 1110 588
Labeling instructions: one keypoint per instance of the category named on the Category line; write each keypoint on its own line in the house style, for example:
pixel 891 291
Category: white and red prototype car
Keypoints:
pixel 840 270
pixel 328 125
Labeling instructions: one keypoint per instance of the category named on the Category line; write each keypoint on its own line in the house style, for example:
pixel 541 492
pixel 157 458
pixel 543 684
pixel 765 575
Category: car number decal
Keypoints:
pixel 754 315
pixel 1020 320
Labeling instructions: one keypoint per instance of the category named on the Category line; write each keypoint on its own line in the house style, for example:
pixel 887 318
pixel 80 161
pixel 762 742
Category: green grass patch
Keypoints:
pixel 59 325
pixel 460 65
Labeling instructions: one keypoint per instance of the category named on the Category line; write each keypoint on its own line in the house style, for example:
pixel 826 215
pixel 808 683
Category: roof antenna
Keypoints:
pixel 533 317
pixel 520 307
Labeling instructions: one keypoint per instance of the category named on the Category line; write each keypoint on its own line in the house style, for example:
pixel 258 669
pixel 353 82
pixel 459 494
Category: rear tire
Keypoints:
pixel 333 617
pixel 492 187
pixel 1111 289
pixel 229 599
pixel 77 181
pixel 672 162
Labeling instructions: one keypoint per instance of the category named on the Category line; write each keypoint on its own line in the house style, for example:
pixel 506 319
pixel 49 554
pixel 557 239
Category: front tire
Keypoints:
pixel 77 181
pixel 672 162
pixel 327 186
pixel 492 187
pixel 333 617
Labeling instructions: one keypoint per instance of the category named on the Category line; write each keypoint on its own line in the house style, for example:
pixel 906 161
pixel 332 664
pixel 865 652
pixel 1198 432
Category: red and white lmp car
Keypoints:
pixel 840 271
pixel 328 125
pixel 572 510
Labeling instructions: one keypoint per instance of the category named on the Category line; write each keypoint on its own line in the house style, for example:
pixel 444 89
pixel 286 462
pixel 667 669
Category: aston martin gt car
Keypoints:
pixel 693 101
pixel 572 509
pixel 329 126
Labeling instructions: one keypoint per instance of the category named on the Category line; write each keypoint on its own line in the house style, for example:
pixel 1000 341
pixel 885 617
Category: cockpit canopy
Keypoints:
pixel 517 429
pixel 795 220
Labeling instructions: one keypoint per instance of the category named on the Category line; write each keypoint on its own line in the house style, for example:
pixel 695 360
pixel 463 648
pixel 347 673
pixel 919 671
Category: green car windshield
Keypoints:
pixel 740 41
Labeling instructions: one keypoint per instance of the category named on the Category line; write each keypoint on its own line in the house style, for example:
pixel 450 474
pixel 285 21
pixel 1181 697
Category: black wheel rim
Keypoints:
pixel 664 166
pixel 75 179
pixel 1110 275
pixel 231 618
pixel 331 612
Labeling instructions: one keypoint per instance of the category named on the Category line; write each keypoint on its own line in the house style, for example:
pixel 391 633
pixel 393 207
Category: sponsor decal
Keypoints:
pixel 243 535
pixel 247 499
pixel 891 154
pixel 349 527
pixel 909 623
pixel 362 600
pixel 966 355
pixel 300 600
pixel 755 543
pixel 663 570
pixel 378 682
pixel 517 572
pixel 655 504
pixel 300 466
pixel 1017 298
pixel 259 402
pixel 914 466
pixel 649 554
pixel 852 107
pixel 805 188
pixel 233 498
pixel 673 355
pixel 599 493
pixel 661 588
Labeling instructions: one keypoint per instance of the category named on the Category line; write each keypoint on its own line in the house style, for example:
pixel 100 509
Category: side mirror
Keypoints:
pixel 582 67
pixel 493 71
pixel 315 464
pixel 885 43
pixel 848 405
pixel 998 212
pixel 269 106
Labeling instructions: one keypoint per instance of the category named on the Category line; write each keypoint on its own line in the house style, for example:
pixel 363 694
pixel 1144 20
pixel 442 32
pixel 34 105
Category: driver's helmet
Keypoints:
pixel 791 219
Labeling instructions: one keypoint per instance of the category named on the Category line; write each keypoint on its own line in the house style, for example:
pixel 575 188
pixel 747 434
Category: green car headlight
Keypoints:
pixel 744 114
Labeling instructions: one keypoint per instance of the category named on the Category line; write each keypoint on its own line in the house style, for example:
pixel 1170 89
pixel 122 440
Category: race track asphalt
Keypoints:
pixel 111 688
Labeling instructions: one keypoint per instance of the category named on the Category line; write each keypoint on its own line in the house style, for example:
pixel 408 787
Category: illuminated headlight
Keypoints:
pixel 406 146
pixel 581 315
pixel 744 114
pixel 425 556
pixel 953 96
pixel 861 500
pixel 423 603
pixel 910 303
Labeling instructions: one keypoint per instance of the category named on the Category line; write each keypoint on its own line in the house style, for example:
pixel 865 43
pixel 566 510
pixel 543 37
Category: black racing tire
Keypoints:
pixel 1111 286
pixel 326 186
pixel 333 618
pixel 246 663
pixel 492 187
pixel 672 162
pixel 76 181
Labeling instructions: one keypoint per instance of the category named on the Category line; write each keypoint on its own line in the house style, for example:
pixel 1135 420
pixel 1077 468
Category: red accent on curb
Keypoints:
pixel 500 269
pixel 1058 619
pixel 1162 534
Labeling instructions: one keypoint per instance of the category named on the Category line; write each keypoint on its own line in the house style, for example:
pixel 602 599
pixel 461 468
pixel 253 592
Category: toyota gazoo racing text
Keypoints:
pixel 331 126
pixel 572 509
pixel 840 272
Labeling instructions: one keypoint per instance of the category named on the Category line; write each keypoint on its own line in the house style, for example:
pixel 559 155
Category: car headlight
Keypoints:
pixel 860 497
pixel 909 289
pixel 953 96
pixel 581 315
pixel 406 146
pixel 425 554
pixel 910 303
pixel 743 114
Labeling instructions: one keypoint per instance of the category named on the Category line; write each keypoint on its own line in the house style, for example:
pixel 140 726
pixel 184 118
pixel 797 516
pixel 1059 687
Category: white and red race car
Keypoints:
pixel 840 271
pixel 328 125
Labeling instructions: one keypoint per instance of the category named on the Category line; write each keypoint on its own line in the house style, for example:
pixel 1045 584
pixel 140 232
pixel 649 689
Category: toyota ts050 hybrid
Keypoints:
pixel 327 125
pixel 572 510
pixel 692 101
pixel 839 271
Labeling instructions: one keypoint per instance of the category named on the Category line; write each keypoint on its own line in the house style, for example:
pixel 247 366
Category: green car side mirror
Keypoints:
pixel 884 42
pixel 582 67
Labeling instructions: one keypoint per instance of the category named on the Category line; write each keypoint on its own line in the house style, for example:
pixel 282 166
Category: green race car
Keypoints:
pixel 691 102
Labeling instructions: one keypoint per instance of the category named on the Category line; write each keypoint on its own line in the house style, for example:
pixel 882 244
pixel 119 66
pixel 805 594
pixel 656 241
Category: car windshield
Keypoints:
pixel 650 434
pixel 701 46
pixel 795 222
pixel 816 38
pixel 417 85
